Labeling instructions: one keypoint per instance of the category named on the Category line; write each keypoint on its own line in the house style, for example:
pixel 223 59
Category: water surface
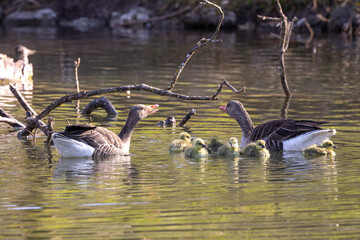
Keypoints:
pixel 152 194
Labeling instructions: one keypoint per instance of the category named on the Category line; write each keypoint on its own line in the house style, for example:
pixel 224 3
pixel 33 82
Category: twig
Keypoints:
pixel 268 18
pixel 187 117
pixel 102 102
pixel 7 118
pixel 22 100
pixel 200 44
pixel 285 32
pixel 50 125
pixel 221 85
pixel 285 107
pixel 77 65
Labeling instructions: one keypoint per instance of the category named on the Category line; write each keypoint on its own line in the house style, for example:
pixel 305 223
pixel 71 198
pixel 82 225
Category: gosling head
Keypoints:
pixel 199 144
pixel 185 136
pixel 234 143
pixel 328 144
pixel 260 144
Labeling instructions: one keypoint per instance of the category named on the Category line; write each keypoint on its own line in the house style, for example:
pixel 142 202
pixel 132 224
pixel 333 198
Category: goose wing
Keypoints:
pixel 276 131
pixel 92 135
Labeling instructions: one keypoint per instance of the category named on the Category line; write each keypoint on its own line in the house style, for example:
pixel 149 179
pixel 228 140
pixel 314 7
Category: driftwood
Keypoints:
pixel 187 117
pixel 7 118
pixel 286 28
pixel 34 120
pixel 102 102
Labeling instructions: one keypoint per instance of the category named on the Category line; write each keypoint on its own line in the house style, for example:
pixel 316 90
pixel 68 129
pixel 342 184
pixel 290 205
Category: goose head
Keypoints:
pixel 328 144
pixel 237 111
pixel 199 144
pixel 234 143
pixel 260 144
pixel 185 136
pixel 139 112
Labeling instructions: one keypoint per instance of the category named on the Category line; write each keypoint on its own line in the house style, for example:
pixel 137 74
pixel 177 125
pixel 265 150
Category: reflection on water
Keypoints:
pixel 152 194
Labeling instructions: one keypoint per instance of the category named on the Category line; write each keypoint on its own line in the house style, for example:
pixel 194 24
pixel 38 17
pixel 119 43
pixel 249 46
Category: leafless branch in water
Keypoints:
pixel 200 44
pixel 187 117
pixel 285 32
pixel 102 102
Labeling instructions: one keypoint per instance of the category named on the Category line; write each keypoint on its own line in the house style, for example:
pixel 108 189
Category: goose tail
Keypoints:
pixel 304 140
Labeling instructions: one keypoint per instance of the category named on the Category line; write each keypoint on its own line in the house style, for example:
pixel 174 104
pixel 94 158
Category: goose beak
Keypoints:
pixel 334 146
pixel 223 108
pixel 152 108
pixel 204 146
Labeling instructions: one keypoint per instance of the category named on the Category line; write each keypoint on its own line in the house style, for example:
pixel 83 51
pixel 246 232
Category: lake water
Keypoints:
pixel 152 194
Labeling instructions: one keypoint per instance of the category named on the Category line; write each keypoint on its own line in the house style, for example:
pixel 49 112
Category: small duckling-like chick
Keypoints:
pixel 257 149
pixel 169 122
pixel 197 150
pixel 214 145
pixel 326 148
pixel 180 144
pixel 231 149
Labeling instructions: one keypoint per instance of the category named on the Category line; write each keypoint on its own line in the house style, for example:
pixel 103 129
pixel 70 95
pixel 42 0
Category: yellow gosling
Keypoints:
pixel 180 144
pixel 257 149
pixel 231 149
pixel 197 150
pixel 326 149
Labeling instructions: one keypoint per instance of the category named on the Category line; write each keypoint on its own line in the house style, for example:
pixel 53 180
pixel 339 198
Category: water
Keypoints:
pixel 152 194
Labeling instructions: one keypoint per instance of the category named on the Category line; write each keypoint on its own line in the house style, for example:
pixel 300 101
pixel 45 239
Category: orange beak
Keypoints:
pixel 152 108
pixel 223 108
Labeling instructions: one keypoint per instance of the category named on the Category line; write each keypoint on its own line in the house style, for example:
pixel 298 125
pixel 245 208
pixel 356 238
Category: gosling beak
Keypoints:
pixel 204 146
pixel 334 146
pixel 262 146
pixel 152 108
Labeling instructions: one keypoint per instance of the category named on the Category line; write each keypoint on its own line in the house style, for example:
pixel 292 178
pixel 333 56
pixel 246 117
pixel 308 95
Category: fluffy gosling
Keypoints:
pixel 197 150
pixel 230 149
pixel 214 145
pixel 326 149
pixel 180 144
pixel 257 149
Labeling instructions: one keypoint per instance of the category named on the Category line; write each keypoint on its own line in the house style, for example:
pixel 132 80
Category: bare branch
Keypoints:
pixel 187 117
pixel 102 102
pixel 202 43
pixel 50 125
pixel 22 100
pixel 77 65
pixel 268 18
pixel 7 118
pixel 221 85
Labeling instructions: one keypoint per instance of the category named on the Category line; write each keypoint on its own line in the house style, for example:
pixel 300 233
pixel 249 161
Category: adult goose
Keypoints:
pixel 86 140
pixel 284 134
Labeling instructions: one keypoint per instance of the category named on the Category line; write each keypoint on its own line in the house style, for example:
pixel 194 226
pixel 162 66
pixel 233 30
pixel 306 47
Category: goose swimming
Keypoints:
pixel 284 134
pixel 86 140
pixel 180 144
pixel 257 149
pixel 230 149
pixel 326 148
pixel 198 150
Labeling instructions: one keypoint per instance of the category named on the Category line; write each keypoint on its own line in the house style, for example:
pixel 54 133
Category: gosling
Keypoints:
pixel 231 149
pixel 180 144
pixel 214 145
pixel 257 149
pixel 326 149
pixel 197 150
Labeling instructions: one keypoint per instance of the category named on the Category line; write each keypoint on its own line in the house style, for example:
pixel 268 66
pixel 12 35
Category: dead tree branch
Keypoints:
pixel 220 87
pixel 7 118
pixel 187 117
pixel 200 44
pixel 22 100
pixel 285 32
pixel 77 65
pixel 102 102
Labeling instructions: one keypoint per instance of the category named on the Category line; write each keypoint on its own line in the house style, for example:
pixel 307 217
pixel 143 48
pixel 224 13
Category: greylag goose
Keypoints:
pixel 88 140
pixel 231 149
pixel 257 149
pixel 179 145
pixel 197 150
pixel 326 148
pixel 284 134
